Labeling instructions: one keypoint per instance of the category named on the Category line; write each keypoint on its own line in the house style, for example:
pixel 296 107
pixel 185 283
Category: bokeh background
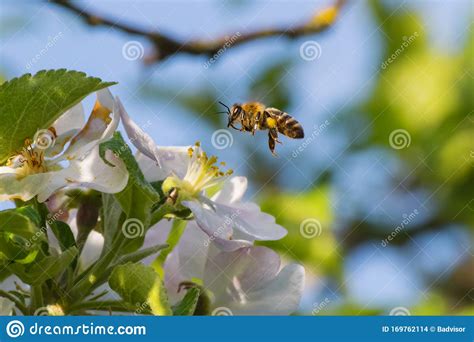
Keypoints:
pixel 379 202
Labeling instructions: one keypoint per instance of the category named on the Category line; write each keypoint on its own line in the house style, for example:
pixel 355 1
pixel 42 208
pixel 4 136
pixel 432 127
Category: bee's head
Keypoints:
pixel 233 112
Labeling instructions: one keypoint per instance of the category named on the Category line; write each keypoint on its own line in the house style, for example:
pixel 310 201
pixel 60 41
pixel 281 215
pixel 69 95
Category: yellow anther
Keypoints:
pixel 190 152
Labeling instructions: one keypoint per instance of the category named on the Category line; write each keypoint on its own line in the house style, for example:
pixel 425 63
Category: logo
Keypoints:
pixel 222 138
pixel 15 329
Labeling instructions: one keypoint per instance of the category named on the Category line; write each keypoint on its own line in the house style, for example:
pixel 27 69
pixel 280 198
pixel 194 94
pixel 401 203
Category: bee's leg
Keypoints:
pixel 272 134
pixel 232 125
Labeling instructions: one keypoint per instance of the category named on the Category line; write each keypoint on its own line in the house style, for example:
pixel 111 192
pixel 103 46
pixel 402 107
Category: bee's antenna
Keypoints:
pixel 228 109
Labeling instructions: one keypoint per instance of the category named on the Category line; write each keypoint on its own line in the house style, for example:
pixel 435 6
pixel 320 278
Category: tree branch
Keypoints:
pixel 166 46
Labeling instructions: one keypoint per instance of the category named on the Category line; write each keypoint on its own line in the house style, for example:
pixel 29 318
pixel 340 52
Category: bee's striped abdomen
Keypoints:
pixel 286 124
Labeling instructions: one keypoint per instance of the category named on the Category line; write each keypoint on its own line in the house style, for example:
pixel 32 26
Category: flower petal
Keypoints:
pixel 73 118
pixel 217 227
pixel 99 127
pixel 66 127
pixel 90 172
pixel 187 261
pixel 231 275
pixel 248 283
pixel 142 141
pixel 174 160
pixel 12 187
pixel 232 191
pixel 250 220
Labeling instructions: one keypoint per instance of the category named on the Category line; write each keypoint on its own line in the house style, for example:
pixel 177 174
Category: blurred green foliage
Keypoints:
pixel 426 92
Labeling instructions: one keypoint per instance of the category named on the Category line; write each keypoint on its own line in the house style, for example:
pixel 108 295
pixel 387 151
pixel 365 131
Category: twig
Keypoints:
pixel 166 46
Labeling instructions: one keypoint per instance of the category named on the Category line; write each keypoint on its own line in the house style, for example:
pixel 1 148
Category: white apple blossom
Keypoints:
pixel 46 164
pixel 187 172
pixel 248 281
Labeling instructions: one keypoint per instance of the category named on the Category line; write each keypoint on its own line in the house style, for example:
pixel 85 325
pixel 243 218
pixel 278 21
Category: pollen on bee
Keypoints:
pixel 271 122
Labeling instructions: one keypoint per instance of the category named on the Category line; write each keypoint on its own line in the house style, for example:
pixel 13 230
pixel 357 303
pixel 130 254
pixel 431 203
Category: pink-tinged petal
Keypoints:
pixel 250 220
pixel 217 227
pixel 231 276
pixel 247 282
pixel 232 191
pixel 187 261
pixel 281 296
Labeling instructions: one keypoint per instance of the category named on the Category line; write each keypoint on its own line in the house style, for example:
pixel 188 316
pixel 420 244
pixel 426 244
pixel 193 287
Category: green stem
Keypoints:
pixel 87 282
pixel 174 236
pixel 15 300
pixel 160 213
pixel 36 298
pixel 99 272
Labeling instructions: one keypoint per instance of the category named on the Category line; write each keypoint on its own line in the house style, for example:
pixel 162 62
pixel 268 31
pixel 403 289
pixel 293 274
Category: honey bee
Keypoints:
pixel 254 116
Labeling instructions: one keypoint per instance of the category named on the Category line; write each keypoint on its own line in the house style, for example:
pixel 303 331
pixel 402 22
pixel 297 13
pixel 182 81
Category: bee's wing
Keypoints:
pixel 285 123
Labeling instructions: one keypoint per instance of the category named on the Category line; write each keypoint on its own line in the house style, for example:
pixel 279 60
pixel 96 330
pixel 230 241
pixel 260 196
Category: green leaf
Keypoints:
pixel 138 197
pixel 141 254
pixel 110 214
pixel 30 103
pixel 20 234
pixel 47 268
pixel 140 285
pixel 23 221
pixel 189 303
pixel 63 234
